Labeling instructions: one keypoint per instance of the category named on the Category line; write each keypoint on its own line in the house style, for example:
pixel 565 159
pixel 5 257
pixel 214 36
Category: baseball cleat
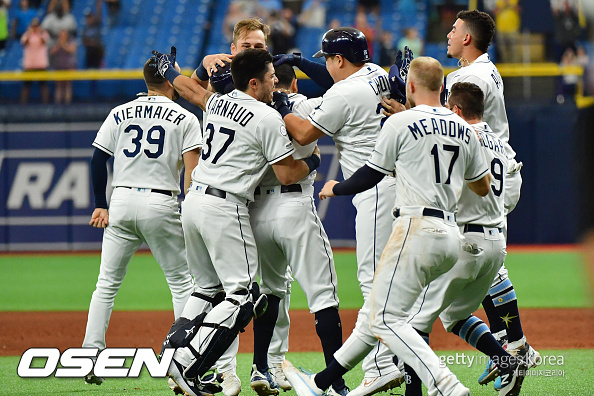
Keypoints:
pixel 188 386
pixel 174 387
pixel 372 385
pixel 231 384
pixel 93 379
pixel 262 383
pixel 343 392
pixel 276 370
pixel 490 374
pixel 302 383
pixel 512 378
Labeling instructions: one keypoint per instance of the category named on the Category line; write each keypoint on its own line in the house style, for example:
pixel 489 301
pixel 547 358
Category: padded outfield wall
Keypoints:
pixel 46 195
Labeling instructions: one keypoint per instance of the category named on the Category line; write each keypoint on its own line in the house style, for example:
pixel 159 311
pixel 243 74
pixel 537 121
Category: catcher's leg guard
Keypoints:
pixel 183 329
pixel 218 331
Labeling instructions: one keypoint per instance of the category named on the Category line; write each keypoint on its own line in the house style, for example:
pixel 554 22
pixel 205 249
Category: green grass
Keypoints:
pixel 573 377
pixel 64 282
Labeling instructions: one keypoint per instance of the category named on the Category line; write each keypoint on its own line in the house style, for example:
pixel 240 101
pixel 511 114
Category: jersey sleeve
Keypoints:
pixel 384 154
pixel 476 167
pixel 192 135
pixel 305 107
pixel 274 138
pixel 106 139
pixel 331 114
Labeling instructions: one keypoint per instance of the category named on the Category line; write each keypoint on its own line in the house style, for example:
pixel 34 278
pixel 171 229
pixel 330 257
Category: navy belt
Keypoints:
pixel 216 192
pixel 284 189
pixel 426 212
pixel 476 228
pixel 164 192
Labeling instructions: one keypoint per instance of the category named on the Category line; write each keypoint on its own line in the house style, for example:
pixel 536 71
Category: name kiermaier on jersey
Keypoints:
pixel 78 362
pixel 148 111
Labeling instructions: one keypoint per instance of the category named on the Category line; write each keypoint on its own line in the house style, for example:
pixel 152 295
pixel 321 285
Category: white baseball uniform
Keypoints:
pixel 351 113
pixel 147 138
pixel 484 73
pixel 242 137
pixel 433 153
pixel 458 293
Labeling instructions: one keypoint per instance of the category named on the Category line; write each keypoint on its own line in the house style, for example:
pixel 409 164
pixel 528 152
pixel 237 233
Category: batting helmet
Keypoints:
pixel 346 41
pixel 221 80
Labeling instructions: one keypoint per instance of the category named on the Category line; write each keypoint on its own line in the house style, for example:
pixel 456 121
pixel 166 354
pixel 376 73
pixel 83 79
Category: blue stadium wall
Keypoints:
pixel 47 200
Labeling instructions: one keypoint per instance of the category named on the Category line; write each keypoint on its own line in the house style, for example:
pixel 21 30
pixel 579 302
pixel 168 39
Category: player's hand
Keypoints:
pixel 392 106
pixel 212 62
pixel 280 102
pixel 327 190
pixel 403 62
pixel 162 62
pixel 293 59
pixel 99 218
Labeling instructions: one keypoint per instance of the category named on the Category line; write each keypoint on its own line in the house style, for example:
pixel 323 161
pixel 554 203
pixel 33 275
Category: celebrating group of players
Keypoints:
pixel 432 186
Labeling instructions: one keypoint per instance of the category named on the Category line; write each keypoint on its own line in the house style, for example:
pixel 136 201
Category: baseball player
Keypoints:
pixel 351 114
pixel 433 153
pixel 289 234
pixel 455 295
pixel 248 33
pixel 243 136
pixel 468 41
pixel 150 138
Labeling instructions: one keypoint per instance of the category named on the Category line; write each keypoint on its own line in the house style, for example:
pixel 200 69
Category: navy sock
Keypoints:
pixel 504 299
pixel 475 332
pixel 329 330
pixel 495 324
pixel 329 375
pixel 263 330
pixel 414 386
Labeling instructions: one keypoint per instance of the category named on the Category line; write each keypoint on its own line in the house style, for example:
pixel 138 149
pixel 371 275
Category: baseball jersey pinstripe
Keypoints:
pixel 483 73
pixel 423 145
pixel 249 134
pixel 147 137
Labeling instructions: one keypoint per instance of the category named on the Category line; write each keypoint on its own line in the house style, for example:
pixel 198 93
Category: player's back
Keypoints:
pixel 351 113
pixel 436 153
pixel 147 137
pixel 241 136
pixel 487 211
pixel 484 73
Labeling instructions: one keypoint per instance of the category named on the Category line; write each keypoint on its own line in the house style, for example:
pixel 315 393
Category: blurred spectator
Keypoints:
pixel 335 23
pixel 113 11
pixel 369 6
pixel 569 81
pixel 93 42
pixel 411 40
pixel 387 53
pixel 507 21
pixel 362 24
pixel 63 55
pixel 235 13
pixel 22 19
pixel 441 19
pixel 270 6
pixel 4 5
pixel 313 14
pixel 567 26
pixel 58 18
pixel 282 32
pixel 35 58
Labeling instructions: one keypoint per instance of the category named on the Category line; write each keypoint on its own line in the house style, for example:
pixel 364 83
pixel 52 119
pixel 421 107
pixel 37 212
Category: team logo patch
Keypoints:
pixel 283 131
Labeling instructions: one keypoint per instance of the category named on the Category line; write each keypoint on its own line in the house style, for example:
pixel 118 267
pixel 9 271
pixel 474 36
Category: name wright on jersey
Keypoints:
pixel 148 111
pixel 449 128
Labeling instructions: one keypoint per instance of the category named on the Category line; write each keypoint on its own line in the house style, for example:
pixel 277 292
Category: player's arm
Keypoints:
pixel 100 216
pixel 302 131
pixel 290 171
pixel 208 66
pixel 190 162
pixel 314 70
pixel 363 179
pixel 482 186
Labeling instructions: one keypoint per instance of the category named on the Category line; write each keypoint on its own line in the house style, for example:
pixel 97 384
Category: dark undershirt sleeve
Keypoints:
pixel 99 177
pixel 363 179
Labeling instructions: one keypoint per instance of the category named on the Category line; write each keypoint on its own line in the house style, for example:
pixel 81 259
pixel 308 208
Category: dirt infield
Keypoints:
pixel 545 328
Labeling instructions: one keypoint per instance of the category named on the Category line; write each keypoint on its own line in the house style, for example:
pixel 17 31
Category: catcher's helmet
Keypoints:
pixel 346 41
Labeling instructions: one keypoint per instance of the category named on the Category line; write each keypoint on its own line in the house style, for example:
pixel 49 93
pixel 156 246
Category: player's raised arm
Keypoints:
pixel 188 88
pixel 302 131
